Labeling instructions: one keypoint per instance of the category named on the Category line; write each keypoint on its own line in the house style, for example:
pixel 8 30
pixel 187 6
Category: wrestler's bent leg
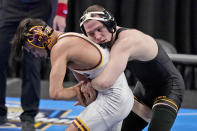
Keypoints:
pixel 163 118
pixel 133 123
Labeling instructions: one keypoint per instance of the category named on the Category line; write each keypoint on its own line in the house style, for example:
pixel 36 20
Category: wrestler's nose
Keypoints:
pixel 98 36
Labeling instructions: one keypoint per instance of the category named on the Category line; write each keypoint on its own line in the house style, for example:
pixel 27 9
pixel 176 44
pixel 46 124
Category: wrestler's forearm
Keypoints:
pixel 105 80
pixel 56 89
pixel 62 93
pixel 110 74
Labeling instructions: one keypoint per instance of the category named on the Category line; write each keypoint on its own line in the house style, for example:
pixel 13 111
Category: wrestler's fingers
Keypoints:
pixel 93 93
pixel 87 87
pixel 79 85
pixel 88 84
pixel 79 104
pixel 80 96
pixel 86 96
pixel 84 88
pixel 81 101
pixel 91 90
pixel 92 97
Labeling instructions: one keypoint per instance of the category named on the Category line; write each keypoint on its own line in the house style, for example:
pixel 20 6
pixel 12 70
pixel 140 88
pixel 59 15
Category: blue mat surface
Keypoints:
pixel 57 115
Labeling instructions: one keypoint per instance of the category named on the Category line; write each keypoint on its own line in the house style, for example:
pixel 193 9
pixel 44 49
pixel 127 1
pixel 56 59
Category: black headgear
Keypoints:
pixel 105 17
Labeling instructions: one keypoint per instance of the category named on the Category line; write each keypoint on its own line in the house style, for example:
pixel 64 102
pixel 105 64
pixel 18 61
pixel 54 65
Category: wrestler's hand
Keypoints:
pixel 81 99
pixel 59 23
pixel 88 94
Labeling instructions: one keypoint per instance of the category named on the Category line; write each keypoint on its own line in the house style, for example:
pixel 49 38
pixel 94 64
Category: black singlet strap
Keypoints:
pixel 120 30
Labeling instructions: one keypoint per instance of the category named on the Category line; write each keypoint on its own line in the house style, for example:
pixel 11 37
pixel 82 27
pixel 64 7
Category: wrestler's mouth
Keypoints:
pixel 102 42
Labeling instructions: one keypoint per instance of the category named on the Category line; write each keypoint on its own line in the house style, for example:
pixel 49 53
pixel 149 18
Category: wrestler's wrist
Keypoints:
pixel 62 9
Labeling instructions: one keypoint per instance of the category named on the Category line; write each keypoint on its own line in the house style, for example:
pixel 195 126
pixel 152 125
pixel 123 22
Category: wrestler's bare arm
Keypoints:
pixel 124 48
pixel 61 55
pixel 59 60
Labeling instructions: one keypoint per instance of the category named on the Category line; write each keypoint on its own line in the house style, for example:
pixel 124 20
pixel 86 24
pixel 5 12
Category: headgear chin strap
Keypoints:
pixel 39 36
pixel 105 17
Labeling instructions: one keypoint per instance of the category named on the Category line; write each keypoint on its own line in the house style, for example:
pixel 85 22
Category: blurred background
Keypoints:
pixel 173 22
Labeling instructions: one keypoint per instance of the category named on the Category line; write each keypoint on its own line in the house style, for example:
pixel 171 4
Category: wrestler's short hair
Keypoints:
pixel 20 36
pixel 105 17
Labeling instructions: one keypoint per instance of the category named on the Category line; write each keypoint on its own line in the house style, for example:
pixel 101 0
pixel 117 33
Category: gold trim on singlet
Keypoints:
pixel 91 42
pixel 159 100
pixel 80 124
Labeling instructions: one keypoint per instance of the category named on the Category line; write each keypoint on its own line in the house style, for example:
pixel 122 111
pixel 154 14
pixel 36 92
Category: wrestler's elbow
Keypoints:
pixel 106 84
pixel 53 94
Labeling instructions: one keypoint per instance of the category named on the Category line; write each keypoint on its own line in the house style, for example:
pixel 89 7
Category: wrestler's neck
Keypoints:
pixel 114 36
pixel 55 36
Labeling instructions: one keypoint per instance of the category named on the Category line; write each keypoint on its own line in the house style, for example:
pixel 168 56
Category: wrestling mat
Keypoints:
pixel 57 115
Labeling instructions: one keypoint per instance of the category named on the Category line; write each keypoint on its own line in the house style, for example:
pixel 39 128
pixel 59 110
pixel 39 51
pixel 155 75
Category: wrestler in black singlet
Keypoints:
pixel 159 82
